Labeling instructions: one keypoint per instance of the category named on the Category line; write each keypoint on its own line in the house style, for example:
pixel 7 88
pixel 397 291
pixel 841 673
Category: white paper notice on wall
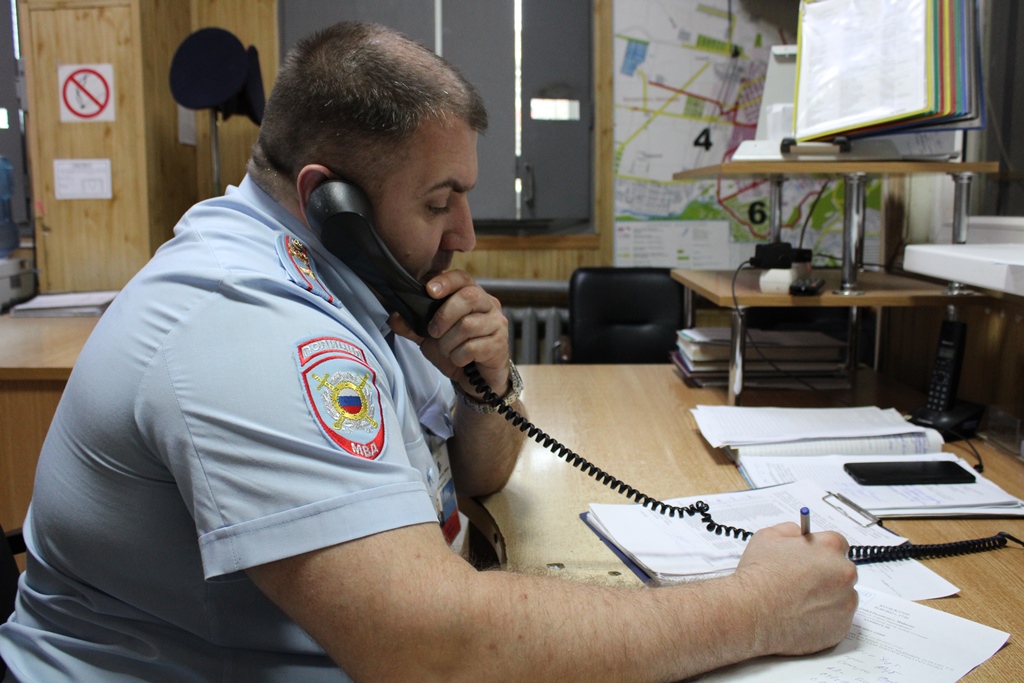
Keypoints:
pixel 82 179
pixel 672 244
pixel 86 92
pixel 186 126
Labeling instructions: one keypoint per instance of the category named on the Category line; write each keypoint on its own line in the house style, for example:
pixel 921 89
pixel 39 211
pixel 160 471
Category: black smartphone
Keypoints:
pixel 341 212
pixel 908 472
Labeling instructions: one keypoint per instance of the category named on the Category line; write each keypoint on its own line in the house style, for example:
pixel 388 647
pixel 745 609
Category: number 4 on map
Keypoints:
pixel 703 140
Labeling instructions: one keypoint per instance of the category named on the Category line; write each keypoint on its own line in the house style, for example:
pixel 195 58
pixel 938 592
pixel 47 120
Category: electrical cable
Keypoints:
pixel 750 340
pixel 810 212
pixel 980 467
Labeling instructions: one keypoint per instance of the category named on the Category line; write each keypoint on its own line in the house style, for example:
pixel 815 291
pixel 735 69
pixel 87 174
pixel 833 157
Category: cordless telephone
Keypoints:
pixel 946 370
pixel 942 411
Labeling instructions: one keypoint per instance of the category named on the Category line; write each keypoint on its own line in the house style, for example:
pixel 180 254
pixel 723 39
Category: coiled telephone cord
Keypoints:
pixel 861 554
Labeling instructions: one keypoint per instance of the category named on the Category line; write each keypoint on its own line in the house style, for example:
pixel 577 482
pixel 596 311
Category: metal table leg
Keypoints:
pixel 775 208
pixel 853 228
pixel 853 341
pixel 961 200
pixel 689 309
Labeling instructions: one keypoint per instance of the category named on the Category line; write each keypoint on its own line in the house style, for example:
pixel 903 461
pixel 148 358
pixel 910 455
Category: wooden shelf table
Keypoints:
pixel 854 288
pixel 854 175
pixel 879 290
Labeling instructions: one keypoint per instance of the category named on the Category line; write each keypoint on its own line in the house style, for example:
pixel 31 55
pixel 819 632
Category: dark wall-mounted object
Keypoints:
pixel 213 70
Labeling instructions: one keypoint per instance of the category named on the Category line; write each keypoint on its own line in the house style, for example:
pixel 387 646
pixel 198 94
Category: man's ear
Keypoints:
pixel 310 177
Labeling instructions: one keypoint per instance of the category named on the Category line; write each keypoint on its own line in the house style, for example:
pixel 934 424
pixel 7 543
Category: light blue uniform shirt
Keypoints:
pixel 230 409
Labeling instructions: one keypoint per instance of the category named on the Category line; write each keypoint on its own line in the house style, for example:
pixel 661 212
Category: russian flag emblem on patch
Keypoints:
pixel 342 394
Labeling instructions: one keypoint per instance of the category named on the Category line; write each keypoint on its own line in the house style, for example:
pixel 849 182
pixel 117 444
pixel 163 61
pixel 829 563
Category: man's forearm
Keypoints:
pixel 484 450
pixel 555 630
pixel 401 606
pixel 429 616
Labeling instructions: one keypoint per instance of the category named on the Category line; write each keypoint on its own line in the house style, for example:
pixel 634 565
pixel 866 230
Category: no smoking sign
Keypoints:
pixel 86 92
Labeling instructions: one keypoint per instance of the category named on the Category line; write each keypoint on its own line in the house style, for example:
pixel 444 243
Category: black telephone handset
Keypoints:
pixel 341 213
pixel 942 410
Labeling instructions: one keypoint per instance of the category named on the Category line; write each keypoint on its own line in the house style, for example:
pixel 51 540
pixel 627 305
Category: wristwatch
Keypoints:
pixel 508 399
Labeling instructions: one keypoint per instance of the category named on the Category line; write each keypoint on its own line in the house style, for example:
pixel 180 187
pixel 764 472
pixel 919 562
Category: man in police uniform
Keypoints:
pixel 246 476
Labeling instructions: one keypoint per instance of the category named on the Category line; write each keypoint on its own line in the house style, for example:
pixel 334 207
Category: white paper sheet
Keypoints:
pixel 907 579
pixel 674 546
pixel 912 443
pixel 861 62
pixel 891 641
pixel 736 426
pixel 827 472
pixel 650 539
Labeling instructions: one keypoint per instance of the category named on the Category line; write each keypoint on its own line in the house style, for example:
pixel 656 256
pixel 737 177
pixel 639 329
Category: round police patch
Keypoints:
pixel 342 393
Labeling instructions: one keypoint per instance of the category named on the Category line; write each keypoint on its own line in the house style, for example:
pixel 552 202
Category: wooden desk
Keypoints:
pixel 634 421
pixel 36 357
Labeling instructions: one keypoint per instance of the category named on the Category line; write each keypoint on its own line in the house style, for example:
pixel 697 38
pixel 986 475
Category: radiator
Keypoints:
pixel 534 334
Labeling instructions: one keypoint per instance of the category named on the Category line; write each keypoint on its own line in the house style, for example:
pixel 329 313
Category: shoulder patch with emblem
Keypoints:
pixel 342 394
pixel 300 267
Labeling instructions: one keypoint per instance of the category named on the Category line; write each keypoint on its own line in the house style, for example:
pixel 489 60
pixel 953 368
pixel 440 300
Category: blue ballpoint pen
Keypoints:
pixel 805 521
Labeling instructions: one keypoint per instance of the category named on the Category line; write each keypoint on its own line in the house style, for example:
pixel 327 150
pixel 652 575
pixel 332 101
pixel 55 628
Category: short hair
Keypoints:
pixel 348 97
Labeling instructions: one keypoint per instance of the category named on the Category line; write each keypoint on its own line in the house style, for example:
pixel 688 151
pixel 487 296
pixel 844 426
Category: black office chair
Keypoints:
pixel 13 544
pixel 623 315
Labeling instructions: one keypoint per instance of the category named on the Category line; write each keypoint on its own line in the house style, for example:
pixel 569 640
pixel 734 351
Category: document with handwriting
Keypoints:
pixel 891 641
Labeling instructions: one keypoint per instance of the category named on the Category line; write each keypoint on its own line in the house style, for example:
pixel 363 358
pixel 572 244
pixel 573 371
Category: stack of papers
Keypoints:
pixel 813 431
pixel 891 640
pixel 779 445
pixel 72 304
pixel 713 343
pixel 891 637
pixel 672 550
pixel 869 68
pixel 981 498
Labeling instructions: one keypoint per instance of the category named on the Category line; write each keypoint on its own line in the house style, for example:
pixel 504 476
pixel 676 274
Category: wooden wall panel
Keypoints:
pixel 254 22
pixel 101 244
pixel 68 229
pixel 170 164
pixel 604 128
pixel 527 264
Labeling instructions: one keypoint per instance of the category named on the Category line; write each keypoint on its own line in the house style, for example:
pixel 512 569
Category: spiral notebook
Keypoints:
pixel 672 549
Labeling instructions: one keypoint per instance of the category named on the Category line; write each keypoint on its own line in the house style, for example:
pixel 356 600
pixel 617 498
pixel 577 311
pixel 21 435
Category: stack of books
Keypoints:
pixel 702 355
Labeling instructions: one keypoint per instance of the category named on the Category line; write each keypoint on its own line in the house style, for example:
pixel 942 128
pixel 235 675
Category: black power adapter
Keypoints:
pixel 774 255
